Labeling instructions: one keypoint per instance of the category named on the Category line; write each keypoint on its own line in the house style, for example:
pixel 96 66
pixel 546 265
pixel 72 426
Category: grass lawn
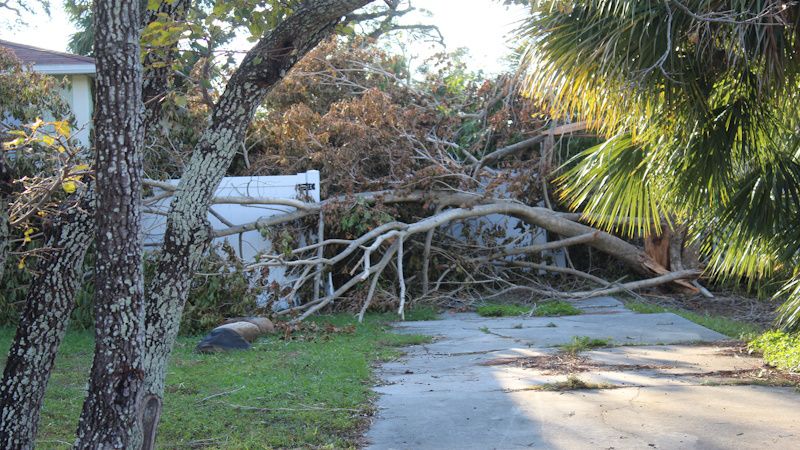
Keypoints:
pixel 310 391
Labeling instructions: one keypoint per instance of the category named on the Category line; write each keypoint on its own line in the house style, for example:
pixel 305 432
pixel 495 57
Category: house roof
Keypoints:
pixel 50 61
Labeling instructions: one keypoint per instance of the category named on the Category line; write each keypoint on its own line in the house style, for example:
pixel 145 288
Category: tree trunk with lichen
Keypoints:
pixel 42 326
pixel 188 236
pixel 111 408
pixel 5 231
pixel 5 235
pixel 50 299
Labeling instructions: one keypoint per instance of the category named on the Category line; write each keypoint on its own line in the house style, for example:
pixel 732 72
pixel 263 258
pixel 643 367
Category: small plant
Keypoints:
pixel 572 383
pixel 501 310
pixel 584 343
pixel 555 308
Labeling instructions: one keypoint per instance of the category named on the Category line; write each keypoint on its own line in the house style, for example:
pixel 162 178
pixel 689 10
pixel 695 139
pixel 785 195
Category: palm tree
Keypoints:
pixel 699 102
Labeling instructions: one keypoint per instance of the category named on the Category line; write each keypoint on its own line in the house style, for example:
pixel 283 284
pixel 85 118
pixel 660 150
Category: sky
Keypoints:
pixel 481 26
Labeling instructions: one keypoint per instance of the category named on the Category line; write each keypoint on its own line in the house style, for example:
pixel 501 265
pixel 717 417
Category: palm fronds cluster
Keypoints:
pixel 699 100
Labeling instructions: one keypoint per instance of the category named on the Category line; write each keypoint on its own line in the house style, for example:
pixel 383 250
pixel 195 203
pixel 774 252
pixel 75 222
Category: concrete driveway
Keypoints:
pixel 503 384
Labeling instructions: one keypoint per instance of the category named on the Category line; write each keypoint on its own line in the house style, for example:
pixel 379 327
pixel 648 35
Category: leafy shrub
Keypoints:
pixel 780 349
pixel 14 289
pixel 12 295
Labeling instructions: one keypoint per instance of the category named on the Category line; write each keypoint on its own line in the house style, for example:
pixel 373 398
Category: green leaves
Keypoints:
pixel 615 187
pixel 700 102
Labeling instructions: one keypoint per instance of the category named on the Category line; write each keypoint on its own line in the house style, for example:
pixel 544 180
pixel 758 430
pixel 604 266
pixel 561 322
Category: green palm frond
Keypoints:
pixel 701 104
pixel 612 184
pixel 789 312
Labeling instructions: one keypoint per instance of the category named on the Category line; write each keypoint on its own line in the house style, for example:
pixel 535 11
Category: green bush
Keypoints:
pixel 780 349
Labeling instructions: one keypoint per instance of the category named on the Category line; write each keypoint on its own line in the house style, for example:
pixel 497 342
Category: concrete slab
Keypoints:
pixel 455 393
pixel 470 332
pixel 670 417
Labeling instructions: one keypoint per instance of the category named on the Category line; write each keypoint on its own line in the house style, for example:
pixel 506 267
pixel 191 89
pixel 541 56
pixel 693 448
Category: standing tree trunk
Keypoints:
pixel 50 299
pixel 111 408
pixel 42 325
pixel 5 232
pixel 5 235
pixel 187 237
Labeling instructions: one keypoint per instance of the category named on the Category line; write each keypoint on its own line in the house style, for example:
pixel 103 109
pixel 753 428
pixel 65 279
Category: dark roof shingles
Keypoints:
pixel 40 56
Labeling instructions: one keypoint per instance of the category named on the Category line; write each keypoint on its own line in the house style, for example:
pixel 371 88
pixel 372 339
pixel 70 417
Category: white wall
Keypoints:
pixel 82 105
pixel 247 245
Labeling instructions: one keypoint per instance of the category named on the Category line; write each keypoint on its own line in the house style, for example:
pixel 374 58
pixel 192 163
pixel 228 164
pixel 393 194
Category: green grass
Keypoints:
pixel 780 349
pixel 584 343
pixel 422 312
pixel 551 308
pixel 729 327
pixel 309 392
pixel 555 308
pixel 502 310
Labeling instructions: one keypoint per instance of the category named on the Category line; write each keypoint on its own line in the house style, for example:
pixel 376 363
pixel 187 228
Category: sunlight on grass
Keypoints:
pixel 502 310
pixel 550 308
pixel 311 391
pixel 780 349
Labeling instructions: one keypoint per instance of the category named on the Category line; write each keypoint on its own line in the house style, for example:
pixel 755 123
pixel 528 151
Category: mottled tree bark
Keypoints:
pixel 4 235
pixel 5 232
pixel 187 236
pixel 43 323
pixel 51 296
pixel 110 410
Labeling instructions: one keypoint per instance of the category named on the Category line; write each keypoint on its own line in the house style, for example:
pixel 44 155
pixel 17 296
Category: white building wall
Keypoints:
pixel 250 244
pixel 82 104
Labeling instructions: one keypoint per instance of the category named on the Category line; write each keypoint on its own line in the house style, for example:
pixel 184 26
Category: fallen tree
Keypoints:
pixel 393 235
pixel 393 241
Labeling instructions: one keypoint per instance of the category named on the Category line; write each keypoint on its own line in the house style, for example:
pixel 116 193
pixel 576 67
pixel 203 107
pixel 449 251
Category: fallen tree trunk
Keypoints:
pixel 626 287
pixel 394 233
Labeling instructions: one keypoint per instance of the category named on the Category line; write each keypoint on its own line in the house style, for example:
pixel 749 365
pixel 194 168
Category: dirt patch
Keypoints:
pixel 766 376
pixel 566 363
